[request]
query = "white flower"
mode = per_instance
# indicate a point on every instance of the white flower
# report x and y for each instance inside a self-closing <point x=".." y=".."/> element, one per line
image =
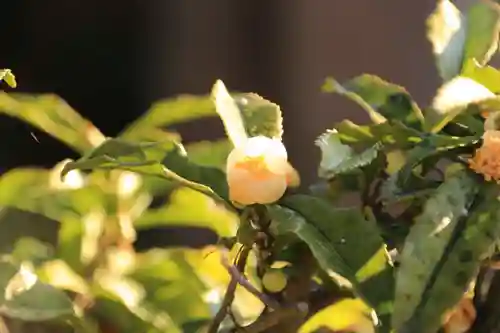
<point x="258" y="171"/>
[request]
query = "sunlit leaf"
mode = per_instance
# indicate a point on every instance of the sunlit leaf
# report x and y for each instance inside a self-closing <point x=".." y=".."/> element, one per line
<point x="53" y="115"/>
<point x="58" y="274"/>
<point x="32" y="249"/>
<point x="171" y="284"/>
<point x="382" y="100"/>
<point x="427" y="242"/>
<point x="483" y="28"/>
<point x="389" y="132"/>
<point x="260" y="116"/>
<point x="405" y="181"/>
<point x="446" y="30"/>
<point x="9" y="78"/>
<point x="29" y="299"/>
<point x="209" y="153"/>
<point x="337" y="158"/>
<point x="473" y="240"/>
<point x="486" y="75"/>
<point x="457" y="96"/>
<point x="187" y="207"/>
<point x="229" y="113"/>
<point x="345" y="315"/>
<point x="152" y="126"/>
<point x="332" y="235"/>
<point x="43" y="192"/>
<point x="143" y="158"/>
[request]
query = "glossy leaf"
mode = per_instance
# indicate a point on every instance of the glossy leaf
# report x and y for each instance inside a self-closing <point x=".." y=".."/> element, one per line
<point x="260" y="116"/>
<point x="152" y="126"/>
<point x="345" y="315"/>
<point x="187" y="207"/>
<point x="382" y="100"/>
<point x="389" y="132"/>
<point x="446" y="30"/>
<point x="473" y="241"/>
<point x="209" y="153"/>
<point x="142" y="158"/>
<point x="230" y="114"/>
<point x="29" y="299"/>
<point x="171" y="284"/>
<point x="179" y="162"/>
<point x="483" y="29"/>
<point x="337" y="158"/>
<point x="486" y="75"/>
<point x="427" y="242"/>
<point x="53" y="115"/>
<point x="44" y="192"/>
<point x="9" y="78"/>
<point x="458" y="96"/>
<point x="332" y="235"/>
<point x="115" y="316"/>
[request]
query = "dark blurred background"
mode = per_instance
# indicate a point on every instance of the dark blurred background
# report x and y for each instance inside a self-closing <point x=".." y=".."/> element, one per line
<point x="110" y="59"/>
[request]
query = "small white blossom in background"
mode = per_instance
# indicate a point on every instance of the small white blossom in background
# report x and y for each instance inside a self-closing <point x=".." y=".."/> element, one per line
<point x="23" y="281"/>
<point x="128" y="183"/>
<point x="74" y="179"/>
<point x="258" y="171"/>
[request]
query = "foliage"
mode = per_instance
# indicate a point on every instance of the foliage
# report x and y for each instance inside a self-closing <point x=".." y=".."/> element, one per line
<point x="419" y="239"/>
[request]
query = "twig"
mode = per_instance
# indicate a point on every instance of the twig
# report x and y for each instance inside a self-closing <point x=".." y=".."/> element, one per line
<point x="230" y="291"/>
<point x="242" y="281"/>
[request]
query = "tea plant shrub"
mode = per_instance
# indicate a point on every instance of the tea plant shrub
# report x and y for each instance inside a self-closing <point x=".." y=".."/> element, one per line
<point x="416" y="254"/>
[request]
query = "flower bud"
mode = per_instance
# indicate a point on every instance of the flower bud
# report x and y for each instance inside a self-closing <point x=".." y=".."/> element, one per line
<point x="461" y="317"/>
<point x="486" y="160"/>
<point x="258" y="172"/>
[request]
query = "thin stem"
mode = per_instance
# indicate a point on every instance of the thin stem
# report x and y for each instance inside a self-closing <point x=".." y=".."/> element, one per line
<point x="230" y="292"/>
<point x="242" y="281"/>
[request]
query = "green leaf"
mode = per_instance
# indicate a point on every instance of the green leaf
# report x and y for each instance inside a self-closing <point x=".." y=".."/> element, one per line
<point x="32" y="250"/>
<point x="16" y="223"/>
<point x="187" y="207"/>
<point x="178" y="161"/>
<point x="8" y="269"/>
<point x="152" y="125"/>
<point x="446" y="30"/>
<point x="172" y="284"/>
<point x="472" y="241"/>
<point x="143" y="158"/>
<point x="382" y="100"/>
<point x="9" y="78"/>
<point x="333" y="236"/>
<point x="427" y="242"/>
<point x="53" y="116"/>
<point x="44" y="192"/>
<point x="486" y="75"/>
<point x="209" y="153"/>
<point x="389" y="132"/>
<point x="337" y="158"/>
<point x="260" y="116"/>
<point x="483" y="28"/>
<point x="404" y="184"/>
<point x="36" y="301"/>
<point x="230" y="114"/>
<point x="460" y="95"/>
<point x="343" y="315"/>
<point x="118" y="317"/>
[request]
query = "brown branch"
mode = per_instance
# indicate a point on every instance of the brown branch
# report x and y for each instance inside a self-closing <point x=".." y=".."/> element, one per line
<point x="230" y="292"/>
<point x="242" y="281"/>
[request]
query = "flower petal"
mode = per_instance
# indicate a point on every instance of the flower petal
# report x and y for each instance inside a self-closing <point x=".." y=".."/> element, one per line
<point x="247" y="189"/>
